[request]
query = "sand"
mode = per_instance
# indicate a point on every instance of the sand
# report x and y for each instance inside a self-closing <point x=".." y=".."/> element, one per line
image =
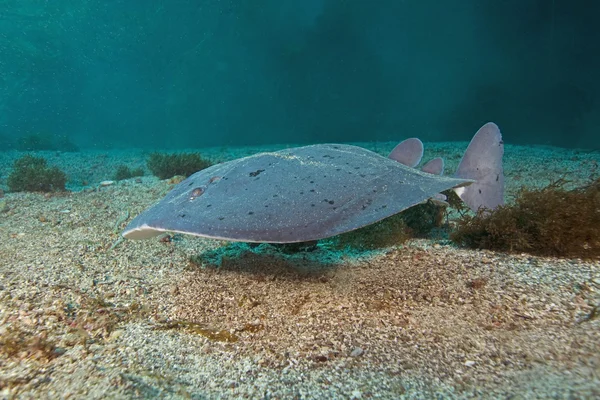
<point x="81" y="317"/>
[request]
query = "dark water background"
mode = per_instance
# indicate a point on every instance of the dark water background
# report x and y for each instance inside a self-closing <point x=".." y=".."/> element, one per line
<point x="183" y="73"/>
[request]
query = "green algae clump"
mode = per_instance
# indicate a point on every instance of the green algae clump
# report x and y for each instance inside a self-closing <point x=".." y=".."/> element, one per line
<point x="415" y="222"/>
<point x="166" y="166"/>
<point x="389" y="232"/>
<point x="32" y="174"/>
<point x="124" y="172"/>
<point x="552" y="221"/>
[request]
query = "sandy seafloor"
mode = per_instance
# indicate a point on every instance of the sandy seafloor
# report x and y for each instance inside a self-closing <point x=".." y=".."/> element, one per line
<point x="80" y="319"/>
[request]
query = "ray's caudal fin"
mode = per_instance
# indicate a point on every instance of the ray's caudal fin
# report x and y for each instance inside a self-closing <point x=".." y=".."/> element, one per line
<point x="482" y="162"/>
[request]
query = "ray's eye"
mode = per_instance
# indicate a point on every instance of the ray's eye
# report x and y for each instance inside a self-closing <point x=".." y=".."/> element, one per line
<point x="199" y="191"/>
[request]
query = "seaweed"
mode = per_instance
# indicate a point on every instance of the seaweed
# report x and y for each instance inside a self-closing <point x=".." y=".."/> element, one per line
<point x="94" y="318"/>
<point x="166" y="166"/>
<point x="32" y="174"/>
<point x="421" y="219"/>
<point x="391" y="231"/>
<point x="16" y="342"/>
<point x="417" y="221"/>
<point x="124" y="172"/>
<point x="551" y="221"/>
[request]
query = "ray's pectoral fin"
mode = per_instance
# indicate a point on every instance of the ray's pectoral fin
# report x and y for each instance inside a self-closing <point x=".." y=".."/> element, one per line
<point x="482" y="162"/>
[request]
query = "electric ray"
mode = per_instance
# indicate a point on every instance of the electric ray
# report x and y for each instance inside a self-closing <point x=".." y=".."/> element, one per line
<point x="314" y="192"/>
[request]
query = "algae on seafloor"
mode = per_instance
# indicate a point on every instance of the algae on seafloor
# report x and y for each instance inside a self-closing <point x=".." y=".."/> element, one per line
<point x="552" y="221"/>
<point x="4" y="206"/>
<point x="18" y="342"/>
<point x="166" y="166"/>
<point x="32" y="174"/>
<point x="222" y="335"/>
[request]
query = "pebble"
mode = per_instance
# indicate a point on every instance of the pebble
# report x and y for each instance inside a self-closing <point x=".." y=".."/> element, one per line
<point x="357" y="352"/>
<point x="469" y="363"/>
<point x="116" y="334"/>
<point x="59" y="351"/>
<point x="95" y="347"/>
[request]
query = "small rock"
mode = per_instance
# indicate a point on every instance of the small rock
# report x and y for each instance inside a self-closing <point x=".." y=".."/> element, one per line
<point x="469" y="363"/>
<point x="321" y="358"/>
<point x="71" y="339"/>
<point x="59" y="351"/>
<point x="95" y="347"/>
<point x="116" y="334"/>
<point x="357" y="352"/>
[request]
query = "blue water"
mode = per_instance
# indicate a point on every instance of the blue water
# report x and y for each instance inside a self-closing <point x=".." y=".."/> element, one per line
<point x="119" y="79"/>
<point x="180" y="74"/>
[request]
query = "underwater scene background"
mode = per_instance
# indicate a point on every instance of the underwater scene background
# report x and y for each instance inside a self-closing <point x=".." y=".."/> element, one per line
<point x="107" y="106"/>
<point x="128" y="73"/>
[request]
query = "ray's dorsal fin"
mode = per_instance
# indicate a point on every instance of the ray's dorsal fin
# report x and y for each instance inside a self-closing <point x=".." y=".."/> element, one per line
<point x="408" y="152"/>
<point x="435" y="166"/>
<point x="482" y="162"/>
